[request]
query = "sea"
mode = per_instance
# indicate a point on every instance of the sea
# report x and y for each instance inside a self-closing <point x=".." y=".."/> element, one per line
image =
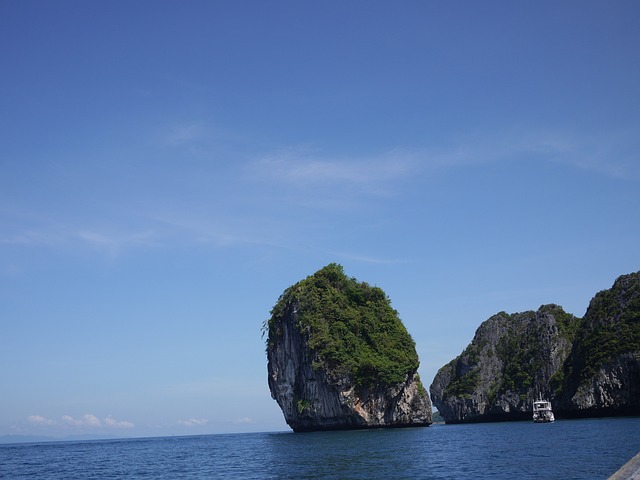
<point x="566" y="449"/>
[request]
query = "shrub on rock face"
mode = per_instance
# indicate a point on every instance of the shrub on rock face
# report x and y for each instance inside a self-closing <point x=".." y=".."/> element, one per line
<point x="335" y="345"/>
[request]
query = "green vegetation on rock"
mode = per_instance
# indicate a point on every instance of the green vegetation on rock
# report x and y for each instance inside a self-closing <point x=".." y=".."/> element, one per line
<point x="521" y="350"/>
<point x="509" y="356"/>
<point x="612" y="325"/>
<point x="350" y="327"/>
<point x="567" y="323"/>
<point x="585" y="366"/>
<point x="464" y="385"/>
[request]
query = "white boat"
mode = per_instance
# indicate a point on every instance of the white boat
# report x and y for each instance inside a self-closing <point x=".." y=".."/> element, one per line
<point x="542" y="411"/>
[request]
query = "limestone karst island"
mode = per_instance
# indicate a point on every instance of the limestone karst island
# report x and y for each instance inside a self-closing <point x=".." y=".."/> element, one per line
<point x="586" y="367"/>
<point x="340" y="358"/>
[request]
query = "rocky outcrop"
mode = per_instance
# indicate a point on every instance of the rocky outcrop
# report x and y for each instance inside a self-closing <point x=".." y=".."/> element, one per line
<point x="510" y="362"/>
<point x="323" y="381"/>
<point x="586" y="367"/>
<point x="602" y="374"/>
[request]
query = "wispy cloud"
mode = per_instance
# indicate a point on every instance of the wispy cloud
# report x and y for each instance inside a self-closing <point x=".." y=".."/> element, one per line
<point x="37" y="229"/>
<point x="105" y="242"/>
<point x="193" y="422"/>
<point x="29" y="237"/>
<point x="187" y="133"/>
<point x="114" y="243"/>
<point x="24" y="227"/>
<point x="302" y="169"/>
<point x="614" y="154"/>
<point x="200" y="228"/>
<point x="270" y="188"/>
<point x="333" y="179"/>
<point x="243" y="421"/>
<point x="109" y="421"/>
<point x="163" y="228"/>
<point x="40" y="421"/>
<point x="201" y="138"/>
<point x="88" y="420"/>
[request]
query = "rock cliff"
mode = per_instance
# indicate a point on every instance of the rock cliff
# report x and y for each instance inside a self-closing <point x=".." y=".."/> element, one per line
<point x="340" y="358"/>
<point x="586" y="367"/>
<point x="602" y="374"/>
<point x="509" y="362"/>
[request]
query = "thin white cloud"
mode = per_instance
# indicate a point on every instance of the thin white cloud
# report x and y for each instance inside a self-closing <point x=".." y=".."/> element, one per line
<point x="613" y="154"/>
<point x="243" y="421"/>
<point x="109" y="421"/>
<point x="301" y="169"/>
<point x="114" y="243"/>
<point x="216" y="230"/>
<point x="88" y="420"/>
<point x="185" y="133"/>
<point x="294" y="178"/>
<point x="28" y="238"/>
<point x="199" y="229"/>
<point x="109" y="243"/>
<point x="336" y="179"/>
<point x="193" y="422"/>
<point x="39" y="420"/>
<point x="35" y="229"/>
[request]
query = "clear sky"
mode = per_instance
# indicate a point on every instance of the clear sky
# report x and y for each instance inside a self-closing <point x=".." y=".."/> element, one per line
<point x="168" y="168"/>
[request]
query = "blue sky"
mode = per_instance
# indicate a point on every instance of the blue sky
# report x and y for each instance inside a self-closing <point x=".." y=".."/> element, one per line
<point x="167" y="169"/>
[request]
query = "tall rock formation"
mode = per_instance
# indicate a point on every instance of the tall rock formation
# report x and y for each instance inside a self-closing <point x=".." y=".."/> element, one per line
<point x="602" y="374"/>
<point x="510" y="362"/>
<point x="340" y="358"/>
<point x="586" y="367"/>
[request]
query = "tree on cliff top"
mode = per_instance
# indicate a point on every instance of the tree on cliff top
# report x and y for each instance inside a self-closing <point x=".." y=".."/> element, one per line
<point x="350" y="327"/>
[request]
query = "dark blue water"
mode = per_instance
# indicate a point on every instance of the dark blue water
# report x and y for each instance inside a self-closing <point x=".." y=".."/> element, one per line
<point x="579" y="449"/>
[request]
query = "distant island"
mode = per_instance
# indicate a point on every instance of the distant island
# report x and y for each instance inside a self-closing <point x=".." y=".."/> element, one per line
<point x="339" y="357"/>
<point x="9" y="439"/>
<point x="587" y="366"/>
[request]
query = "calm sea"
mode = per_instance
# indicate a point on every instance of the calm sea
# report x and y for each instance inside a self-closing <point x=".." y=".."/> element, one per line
<point x="580" y="449"/>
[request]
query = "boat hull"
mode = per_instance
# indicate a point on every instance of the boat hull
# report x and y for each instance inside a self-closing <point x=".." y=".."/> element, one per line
<point x="542" y="412"/>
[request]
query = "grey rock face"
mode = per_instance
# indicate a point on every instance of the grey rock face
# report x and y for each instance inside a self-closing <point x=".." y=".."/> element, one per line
<point x="314" y="399"/>
<point x="602" y="374"/>
<point x="510" y="362"/>
<point x="586" y="367"/>
<point x="615" y="387"/>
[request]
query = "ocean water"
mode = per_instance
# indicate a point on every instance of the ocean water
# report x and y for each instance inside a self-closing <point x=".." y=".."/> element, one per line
<point x="566" y="449"/>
